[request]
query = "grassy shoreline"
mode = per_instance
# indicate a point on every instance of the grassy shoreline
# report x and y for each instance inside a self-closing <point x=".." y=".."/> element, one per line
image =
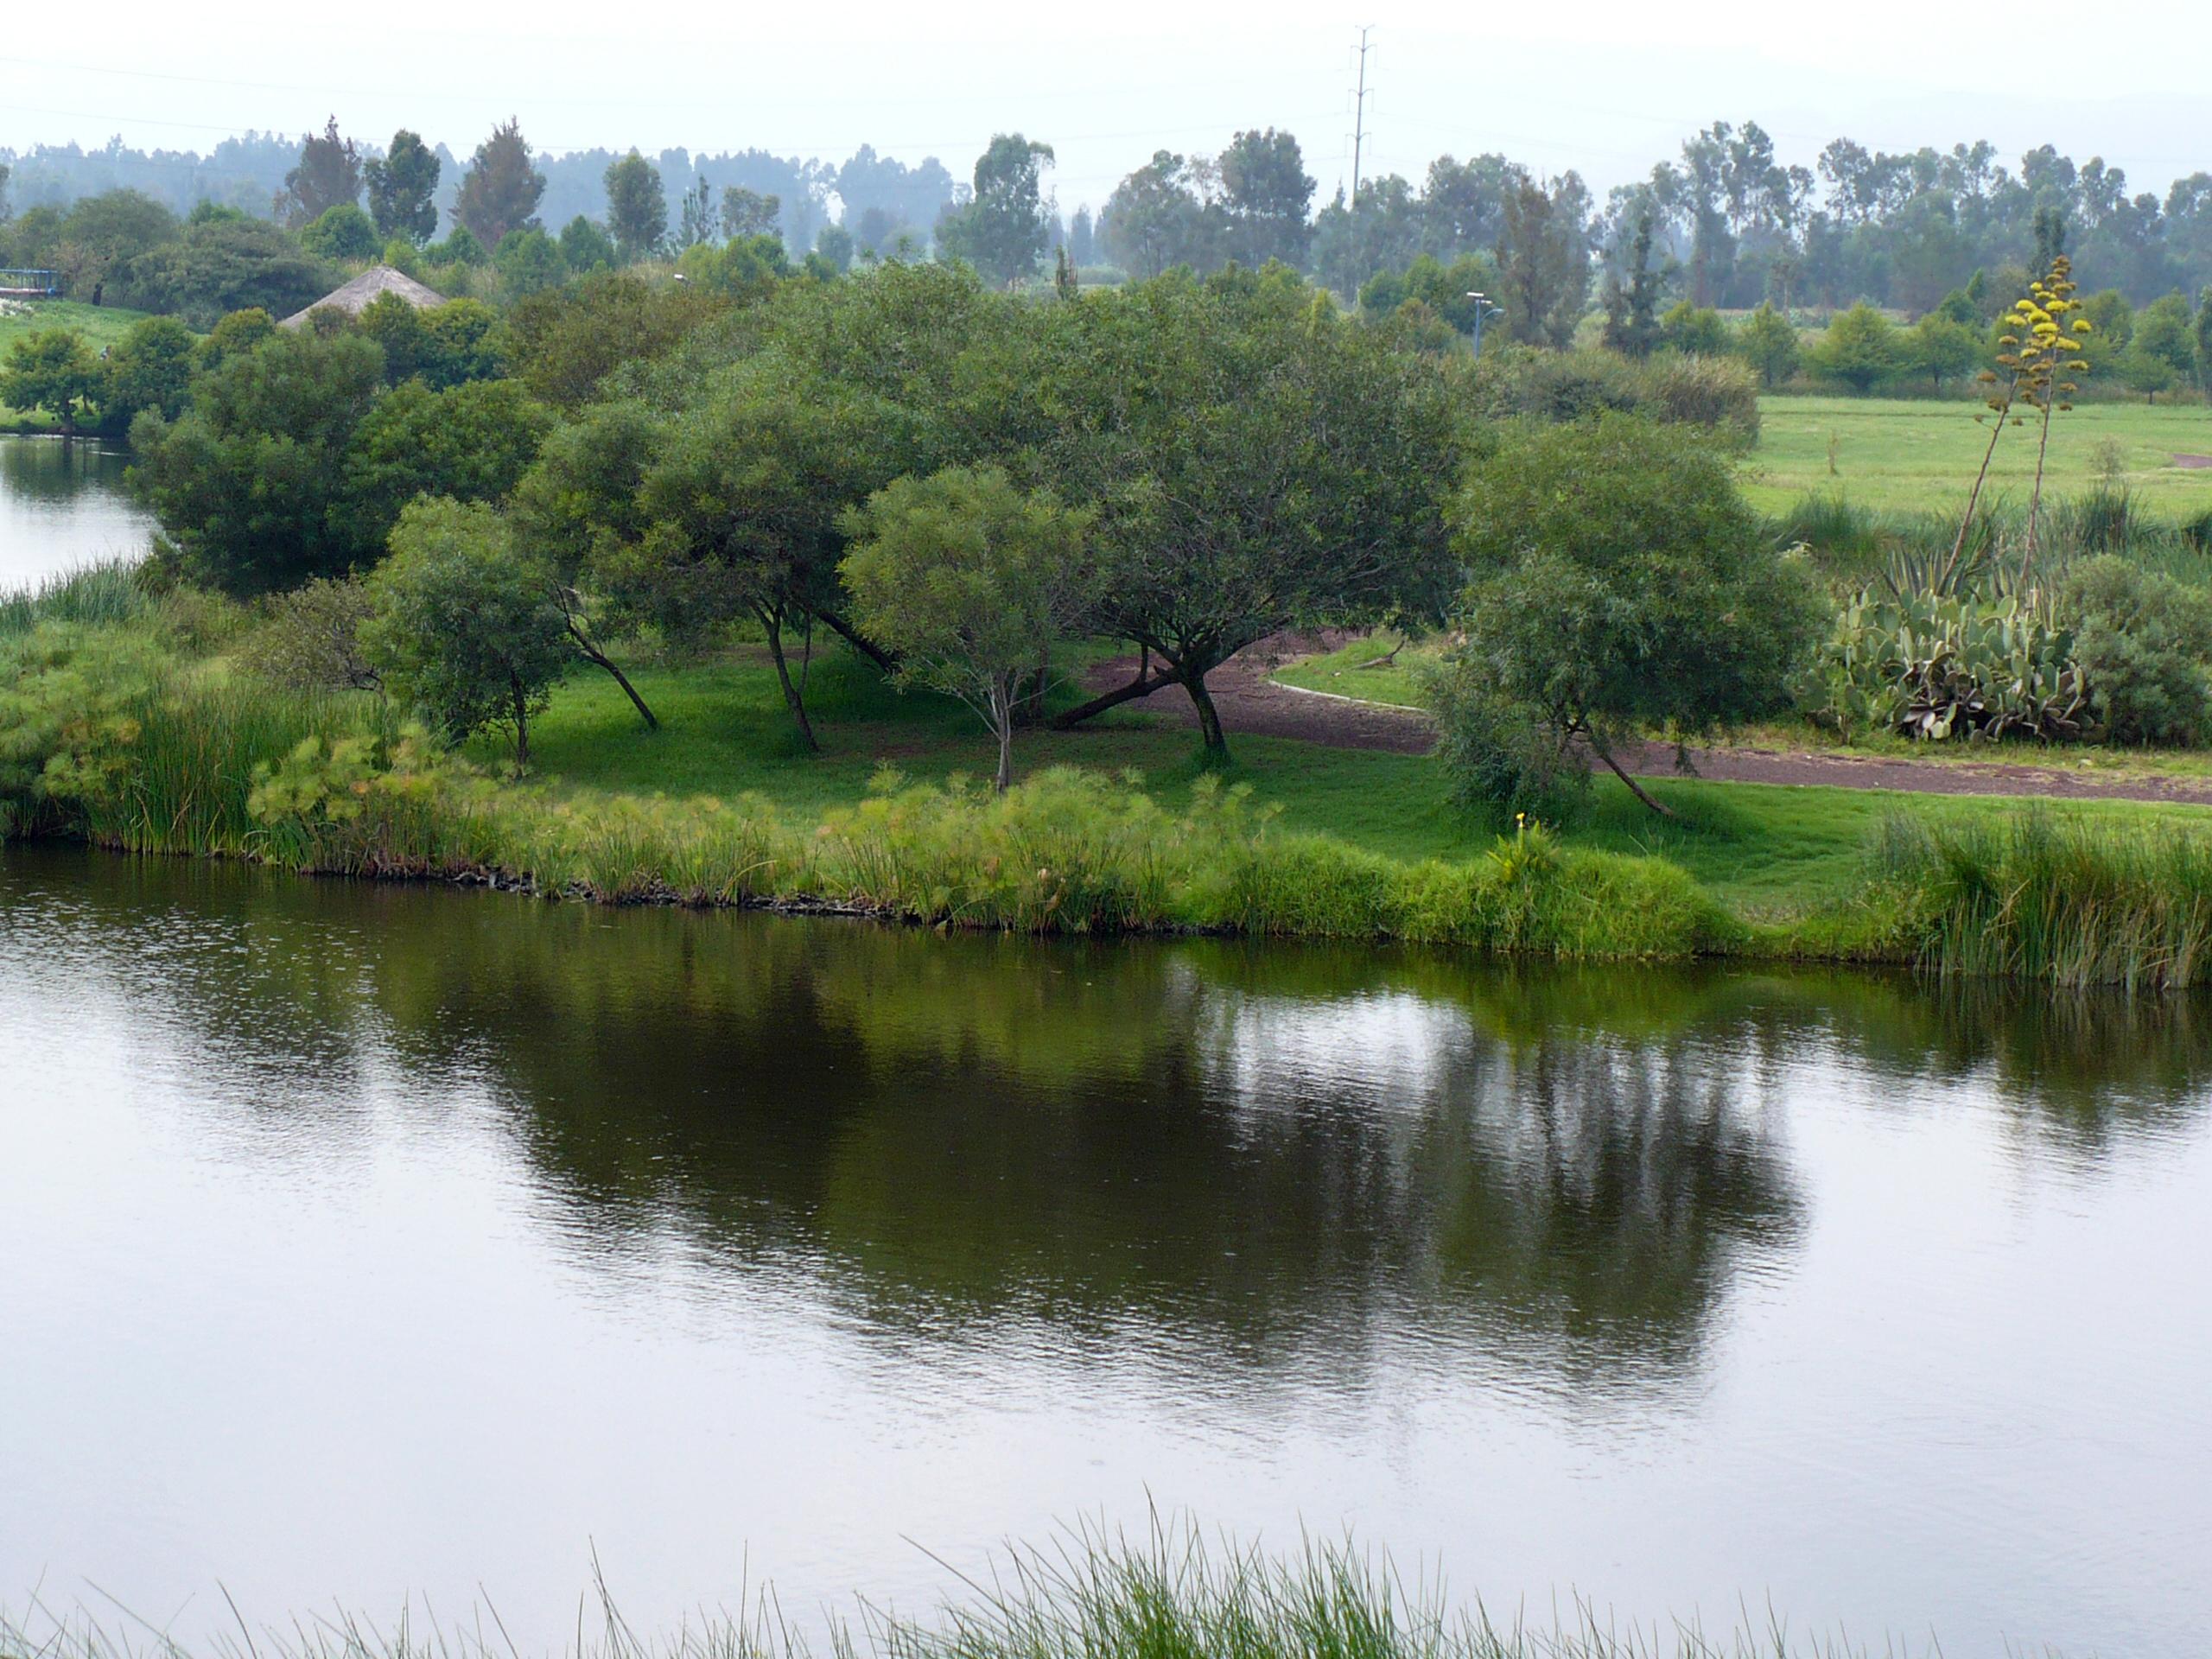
<point x="129" y="729"/>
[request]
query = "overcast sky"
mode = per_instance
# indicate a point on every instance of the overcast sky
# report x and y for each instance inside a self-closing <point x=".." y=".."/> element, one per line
<point x="1606" y="87"/>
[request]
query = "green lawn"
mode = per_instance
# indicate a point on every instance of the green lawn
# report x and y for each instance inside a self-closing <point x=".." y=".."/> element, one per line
<point x="1898" y="454"/>
<point x="1342" y="671"/>
<point x="1769" y="852"/>
<point x="101" y="325"/>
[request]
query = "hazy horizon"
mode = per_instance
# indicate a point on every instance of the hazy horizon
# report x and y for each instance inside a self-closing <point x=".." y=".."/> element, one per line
<point x="1443" y="81"/>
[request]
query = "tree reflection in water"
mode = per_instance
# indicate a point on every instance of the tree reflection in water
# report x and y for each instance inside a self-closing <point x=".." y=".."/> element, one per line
<point x="1262" y="1156"/>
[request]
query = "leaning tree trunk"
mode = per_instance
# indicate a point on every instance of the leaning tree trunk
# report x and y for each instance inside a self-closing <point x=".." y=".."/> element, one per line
<point x="1210" y="730"/>
<point x="1144" y="686"/>
<point x="1001" y="707"/>
<point x="599" y="659"/>
<point x="772" y="620"/>
<point x="1598" y="747"/>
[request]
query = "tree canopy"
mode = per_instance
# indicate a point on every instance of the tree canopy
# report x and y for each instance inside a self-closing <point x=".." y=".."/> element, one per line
<point x="500" y="191"/>
<point x="968" y="580"/>
<point x="403" y="186"/>
<point x="1620" y="584"/>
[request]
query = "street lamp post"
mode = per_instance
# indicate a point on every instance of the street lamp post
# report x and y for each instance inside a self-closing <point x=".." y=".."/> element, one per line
<point x="1484" y="312"/>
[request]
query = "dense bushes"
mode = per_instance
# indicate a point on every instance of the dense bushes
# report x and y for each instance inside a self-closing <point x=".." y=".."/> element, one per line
<point x="2142" y="640"/>
<point x="2110" y="651"/>
<point x="1709" y="391"/>
<point x="1938" y="666"/>
<point x="1620" y="586"/>
<point x="294" y="461"/>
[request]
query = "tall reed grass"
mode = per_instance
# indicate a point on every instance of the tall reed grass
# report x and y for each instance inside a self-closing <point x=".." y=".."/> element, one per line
<point x="102" y="594"/>
<point x="1169" y="1594"/>
<point x="326" y="783"/>
<point x="2038" y="896"/>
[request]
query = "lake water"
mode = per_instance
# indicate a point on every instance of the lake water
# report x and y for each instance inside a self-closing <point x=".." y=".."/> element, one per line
<point x="63" y="505"/>
<point x="362" y="1243"/>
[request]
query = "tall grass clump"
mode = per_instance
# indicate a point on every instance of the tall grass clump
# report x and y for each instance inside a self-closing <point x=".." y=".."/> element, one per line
<point x="104" y="594"/>
<point x="1066" y="852"/>
<point x="175" y="771"/>
<point x="1095" y="1594"/>
<point x="2037" y="896"/>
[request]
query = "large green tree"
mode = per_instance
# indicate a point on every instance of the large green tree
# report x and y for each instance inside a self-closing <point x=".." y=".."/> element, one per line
<point x="500" y="191"/>
<point x="329" y="174"/>
<point x="403" y="186"/>
<point x="1267" y="196"/>
<point x="465" y="625"/>
<point x="470" y="442"/>
<point x="103" y="234"/>
<point x="743" y="510"/>
<point x="1003" y="230"/>
<point x="969" y="578"/>
<point x="1768" y="341"/>
<point x="1154" y="219"/>
<point x="1942" y="349"/>
<point x="1544" y="260"/>
<point x="341" y="232"/>
<point x="1260" y="462"/>
<point x="1621" y="586"/>
<point x="749" y="212"/>
<point x="249" y="485"/>
<point x="637" y="207"/>
<point x="150" y="367"/>
<point x="1859" y="350"/>
<point x="53" y="370"/>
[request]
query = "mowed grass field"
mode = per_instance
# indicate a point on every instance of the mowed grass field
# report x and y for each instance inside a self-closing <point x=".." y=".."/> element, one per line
<point x="101" y="325"/>
<point x="1902" y="455"/>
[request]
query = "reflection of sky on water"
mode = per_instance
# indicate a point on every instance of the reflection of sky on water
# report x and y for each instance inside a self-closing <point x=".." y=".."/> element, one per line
<point x="64" y="505"/>
<point x="385" y="1241"/>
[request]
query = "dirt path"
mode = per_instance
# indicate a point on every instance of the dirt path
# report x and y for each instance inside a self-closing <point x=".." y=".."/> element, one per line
<point x="1251" y="704"/>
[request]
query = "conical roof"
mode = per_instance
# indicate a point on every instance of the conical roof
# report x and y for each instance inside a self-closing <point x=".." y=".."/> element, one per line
<point x="354" y="297"/>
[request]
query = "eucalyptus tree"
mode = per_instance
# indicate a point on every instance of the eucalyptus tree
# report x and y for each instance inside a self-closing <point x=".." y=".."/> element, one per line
<point x="1004" y="227"/>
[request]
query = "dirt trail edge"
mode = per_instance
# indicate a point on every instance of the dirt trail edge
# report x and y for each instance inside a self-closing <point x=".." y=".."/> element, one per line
<point x="1251" y="704"/>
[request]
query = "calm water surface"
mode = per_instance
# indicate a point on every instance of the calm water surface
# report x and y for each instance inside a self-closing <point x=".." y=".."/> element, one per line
<point x="357" y="1244"/>
<point x="63" y="505"/>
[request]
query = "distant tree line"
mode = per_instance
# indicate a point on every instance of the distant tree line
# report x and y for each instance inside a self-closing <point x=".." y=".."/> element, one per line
<point x="1723" y="224"/>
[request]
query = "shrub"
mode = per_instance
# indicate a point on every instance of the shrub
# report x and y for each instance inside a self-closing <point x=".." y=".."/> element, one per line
<point x="310" y="640"/>
<point x="1859" y="351"/>
<point x="343" y="232"/>
<point x="1621" y="585"/>
<point x="2142" y="641"/>
<point x="1709" y="391"/>
<point x="1560" y="386"/>
<point x="1502" y="760"/>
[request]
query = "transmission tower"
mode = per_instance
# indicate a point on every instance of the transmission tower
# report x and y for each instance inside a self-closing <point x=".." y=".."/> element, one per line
<point x="1359" y="112"/>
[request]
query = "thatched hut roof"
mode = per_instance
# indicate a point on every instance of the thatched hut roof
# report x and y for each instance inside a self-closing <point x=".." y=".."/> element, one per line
<point x="376" y="281"/>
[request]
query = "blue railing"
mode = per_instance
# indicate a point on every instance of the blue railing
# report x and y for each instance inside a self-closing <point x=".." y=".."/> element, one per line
<point x="18" y="284"/>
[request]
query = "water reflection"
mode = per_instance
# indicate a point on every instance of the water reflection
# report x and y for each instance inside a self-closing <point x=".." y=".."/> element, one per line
<point x="1272" y="1154"/>
<point x="63" y="505"/>
<point x="682" y="1236"/>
